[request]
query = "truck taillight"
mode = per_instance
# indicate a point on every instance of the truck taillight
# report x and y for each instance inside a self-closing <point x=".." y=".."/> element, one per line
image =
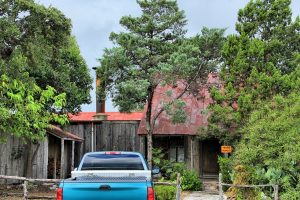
<point x="59" y="194"/>
<point x="112" y="152"/>
<point x="150" y="193"/>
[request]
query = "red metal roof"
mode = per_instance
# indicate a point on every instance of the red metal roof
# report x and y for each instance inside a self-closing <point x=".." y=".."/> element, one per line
<point x="111" y="116"/>
<point x="196" y="110"/>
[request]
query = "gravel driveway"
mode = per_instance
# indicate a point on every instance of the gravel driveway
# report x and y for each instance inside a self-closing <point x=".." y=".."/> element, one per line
<point x="201" y="196"/>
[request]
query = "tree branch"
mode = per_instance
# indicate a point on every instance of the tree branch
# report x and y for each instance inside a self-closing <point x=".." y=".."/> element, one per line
<point x="178" y="97"/>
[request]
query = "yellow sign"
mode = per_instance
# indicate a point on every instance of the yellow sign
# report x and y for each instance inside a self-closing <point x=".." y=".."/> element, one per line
<point x="226" y="149"/>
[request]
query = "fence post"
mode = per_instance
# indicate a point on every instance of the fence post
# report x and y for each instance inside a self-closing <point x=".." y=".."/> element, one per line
<point x="220" y="187"/>
<point x="276" y="192"/>
<point x="25" y="192"/>
<point x="178" y="187"/>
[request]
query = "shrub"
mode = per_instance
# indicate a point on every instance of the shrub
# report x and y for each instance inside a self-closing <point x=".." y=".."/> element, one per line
<point x="242" y="176"/>
<point x="175" y="168"/>
<point x="158" y="157"/>
<point x="190" y="181"/>
<point x="270" y="145"/>
<point x="169" y="170"/>
<point x="165" y="192"/>
<point x="291" y="195"/>
<point x="225" y="165"/>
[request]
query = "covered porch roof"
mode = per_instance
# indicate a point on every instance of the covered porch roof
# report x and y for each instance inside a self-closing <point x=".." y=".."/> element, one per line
<point x="59" y="133"/>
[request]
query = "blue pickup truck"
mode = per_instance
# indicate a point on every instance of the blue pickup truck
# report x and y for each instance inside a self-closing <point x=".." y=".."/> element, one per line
<point x="109" y="176"/>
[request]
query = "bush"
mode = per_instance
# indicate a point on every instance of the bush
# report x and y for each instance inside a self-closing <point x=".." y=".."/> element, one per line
<point x="270" y="145"/>
<point x="291" y="195"/>
<point x="169" y="170"/>
<point x="190" y="181"/>
<point x="165" y="192"/>
<point x="173" y="169"/>
<point x="225" y="165"/>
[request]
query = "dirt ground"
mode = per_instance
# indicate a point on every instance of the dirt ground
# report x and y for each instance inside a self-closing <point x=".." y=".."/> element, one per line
<point x="184" y="194"/>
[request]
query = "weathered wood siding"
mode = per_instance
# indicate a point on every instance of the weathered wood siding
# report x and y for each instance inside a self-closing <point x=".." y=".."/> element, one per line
<point x="40" y="163"/>
<point x="192" y="152"/>
<point x="108" y="136"/>
<point x="83" y="130"/>
<point x="118" y="136"/>
<point x="12" y="158"/>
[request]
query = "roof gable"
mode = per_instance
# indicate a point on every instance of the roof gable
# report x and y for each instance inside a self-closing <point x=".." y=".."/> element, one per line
<point x="196" y="110"/>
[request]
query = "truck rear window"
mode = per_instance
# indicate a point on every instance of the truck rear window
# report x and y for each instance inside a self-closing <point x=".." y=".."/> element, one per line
<point x="112" y="162"/>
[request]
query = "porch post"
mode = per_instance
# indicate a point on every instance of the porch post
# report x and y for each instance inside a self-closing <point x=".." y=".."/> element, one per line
<point x="220" y="187"/>
<point x="54" y="162"/>
<point x="62" y="155"/>
<point x="72" y="161"/>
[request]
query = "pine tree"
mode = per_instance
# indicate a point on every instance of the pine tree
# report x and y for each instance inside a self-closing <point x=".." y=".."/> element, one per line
<point x="257" y="62"/>
<point x="154" y="52"/>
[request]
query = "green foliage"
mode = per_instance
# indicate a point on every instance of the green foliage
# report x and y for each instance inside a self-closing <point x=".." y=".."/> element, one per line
<point x="190" y="181"/>
<point x="257" y="64"/>
<point x="37" y="40"/>
<point x="24" y="109"/>
<point x="189" y="178"/>
<point x="154" y="52"/>
<point x="130" y="71"/>
<point x="292" y="194"/>
<point x="226" y="165"/>
<point x="159" y="158"/>
<point x="270" y="145"/>
<point x="241" y="176"/>
<point x="176" y="111"/>
<point x="171" y="169"/>
<point x="165" y="192"/>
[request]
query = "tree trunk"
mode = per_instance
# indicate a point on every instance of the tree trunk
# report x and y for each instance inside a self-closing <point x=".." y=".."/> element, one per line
<point x="149" y="128"/>
<point x="149" y="149"/>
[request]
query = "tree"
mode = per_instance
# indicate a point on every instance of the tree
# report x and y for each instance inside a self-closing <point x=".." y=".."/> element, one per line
<point x="42" y="72"/>
<point x="25" y="114"/>
<point x="270" y="145"/>
<point x="42" y="36"/>
<point x="257" y="62"/>
<point x="24" y="109"/>
<point x="154" y="52"/>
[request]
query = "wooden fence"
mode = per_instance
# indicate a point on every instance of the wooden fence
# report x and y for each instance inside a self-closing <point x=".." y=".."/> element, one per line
<point x="25" y="186"/>
<point x="221" y="184"/>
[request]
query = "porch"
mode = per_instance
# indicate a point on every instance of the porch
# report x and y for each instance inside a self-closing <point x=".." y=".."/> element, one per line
<point x="199" y="155"/>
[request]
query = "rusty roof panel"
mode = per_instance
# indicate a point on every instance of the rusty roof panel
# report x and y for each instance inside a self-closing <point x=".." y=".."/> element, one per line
<point x="196" y="110"/>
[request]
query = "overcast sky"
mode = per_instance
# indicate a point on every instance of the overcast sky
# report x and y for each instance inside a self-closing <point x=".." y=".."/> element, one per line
<point x="94" y="20"/>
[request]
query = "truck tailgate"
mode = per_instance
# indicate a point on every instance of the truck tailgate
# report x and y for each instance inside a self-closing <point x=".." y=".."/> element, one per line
<point x="126" y="188"/>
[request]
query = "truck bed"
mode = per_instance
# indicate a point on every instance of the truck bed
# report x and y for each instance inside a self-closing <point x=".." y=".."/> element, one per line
<point x="108" y="188"/>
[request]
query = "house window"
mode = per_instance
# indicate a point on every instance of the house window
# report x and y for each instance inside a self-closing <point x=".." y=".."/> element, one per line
<point x="176" y="154"/>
